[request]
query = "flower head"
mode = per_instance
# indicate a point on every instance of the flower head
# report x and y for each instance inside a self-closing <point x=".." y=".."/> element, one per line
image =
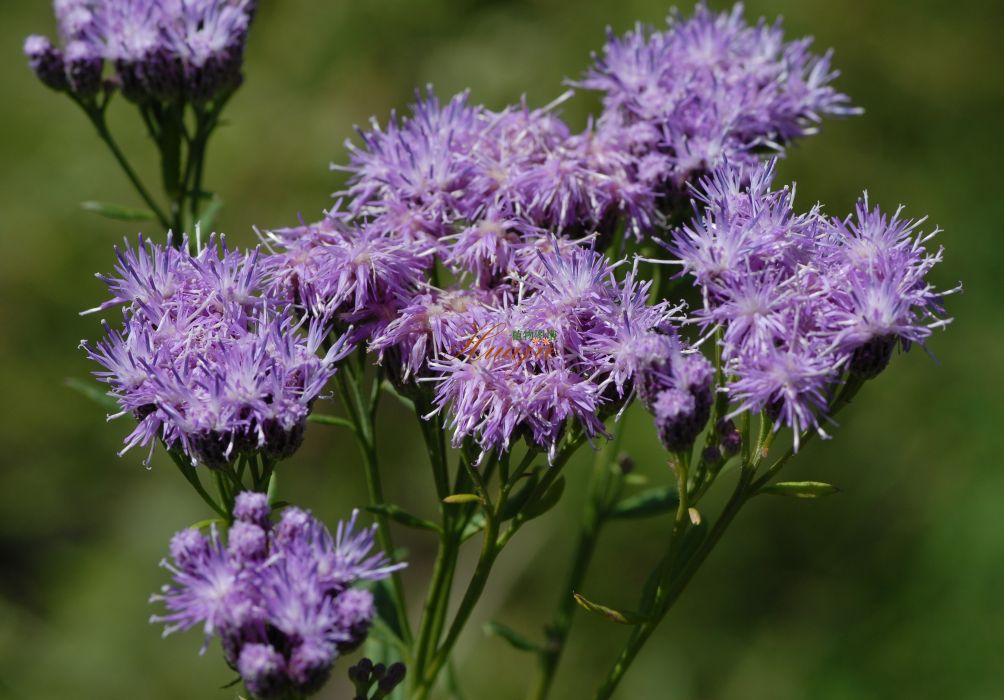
<point x="285" y="613"/>
<point x="205" y="361"/>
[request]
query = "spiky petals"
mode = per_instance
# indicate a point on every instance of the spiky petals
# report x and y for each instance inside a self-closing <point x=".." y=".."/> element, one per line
<point x="205" y="361"/>
<point x="283" y="609"/>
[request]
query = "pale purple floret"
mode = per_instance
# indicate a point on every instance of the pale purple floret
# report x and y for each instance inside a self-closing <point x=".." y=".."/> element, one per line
<point x="205" y="361"/>
<point x="803" y="302"/>
<point x="711" y="88"/>
<point x="495" y="387"/>
<point x="355" y="275"/>
<point x="283" y="599"/>
<point x="161" y="51"/>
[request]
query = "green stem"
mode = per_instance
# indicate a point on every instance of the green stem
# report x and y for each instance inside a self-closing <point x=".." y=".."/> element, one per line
<point x="97" y="118"/>
<point x="593" y="519"/>
<point x="676" y="585"/>
<point x="360" y="416"/>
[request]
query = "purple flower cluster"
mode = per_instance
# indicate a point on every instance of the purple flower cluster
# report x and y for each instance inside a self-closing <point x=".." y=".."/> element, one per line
<point x="472" y="182"/>
<point x="710" y="88"/>
<point x="205" y="361"/>
<point x="161" y="50"/>
<point x="281" y="597"/>
<point x="803" y="301"/>
<point x="564" y="350"/>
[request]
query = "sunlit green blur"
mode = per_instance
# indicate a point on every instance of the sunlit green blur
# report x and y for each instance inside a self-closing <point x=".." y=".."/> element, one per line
<point x="891" y="589"/>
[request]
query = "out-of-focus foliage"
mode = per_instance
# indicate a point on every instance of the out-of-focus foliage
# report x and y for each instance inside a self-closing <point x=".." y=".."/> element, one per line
<point x="890" y="589"/>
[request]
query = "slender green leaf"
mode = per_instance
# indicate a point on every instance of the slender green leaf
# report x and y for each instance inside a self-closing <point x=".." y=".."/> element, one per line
<point x="515" y="639"/>
<point x="514" y="504"/>
<point x="385" y="611"/>
<point x="459" y="498"/>
<point x="118" y="213"/>
<point x="623" y="617"/>
<point x="208" y="215"/>
<point x="473" y="527"/>
<point x="550" y="498"/>
<point x="202" y="524"/>
<point x="800" y="489"/>
<point x="324" y="419"/>
<point x="94" y="393"/>
<point x="652" y="501"/>
<point x="402" y="516"/>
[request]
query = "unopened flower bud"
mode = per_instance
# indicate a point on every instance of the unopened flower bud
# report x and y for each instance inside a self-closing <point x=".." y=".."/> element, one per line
<point x="46" y="61"/>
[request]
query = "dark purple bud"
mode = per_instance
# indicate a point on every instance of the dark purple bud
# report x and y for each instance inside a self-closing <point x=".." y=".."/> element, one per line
<point x="711" y="455"/>
<point x="46" y="61"/>
<point x="870" y="359"/>
<point x="83" y="69"/>
<point x="310" y="665"/>
<point x="281" y="443"/>
<point x="263" y="670"/>
<point x="355" y="610"/>
<point x="395" y="674"/>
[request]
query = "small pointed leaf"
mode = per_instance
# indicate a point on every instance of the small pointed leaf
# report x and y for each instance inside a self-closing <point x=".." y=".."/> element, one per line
<point x="623" y="617"/>
<point x="94" y="393"/>
<point x="402" y="516"/>
<point x="459" y="498"/>
<point x="539" y="506"/>
<point x="653" y="501"/>
<point x="114" y="211"/>
<point x="475" y="525"/>
<point x="515" y="639"/>
<point x="514" y="504"/>
<point x="800" y="489"/>
<point x="324" y="419"/>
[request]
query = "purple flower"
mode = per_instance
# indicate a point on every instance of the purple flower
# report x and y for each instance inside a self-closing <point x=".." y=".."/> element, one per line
<point x="206" y="362"/>
<point x="281" y="599"/>
<point x="562" y="350"/>
<point x="802" y="302"/>
<point x="359" y="276"/>
<point x="46" y="62"/>
<point x="161" y="50"/>
<point x="708" y="89"/>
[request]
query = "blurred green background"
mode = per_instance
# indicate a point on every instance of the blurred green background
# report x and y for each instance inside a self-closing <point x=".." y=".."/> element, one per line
<point x="892" y="589"/>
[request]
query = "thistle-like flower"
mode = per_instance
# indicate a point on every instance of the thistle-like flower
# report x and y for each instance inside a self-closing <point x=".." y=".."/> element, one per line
<point x="711" y="88"/>
<point x="161" y="51"/>
<point x="205" y="361"/>
<point x="283" y="599"/>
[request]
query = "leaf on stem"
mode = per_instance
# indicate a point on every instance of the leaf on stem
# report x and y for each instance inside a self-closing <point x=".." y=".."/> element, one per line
<point x="515" y="639"/>
<point x="324" y="419"/>
<point x="800" y="489"/>
<point x="514" y="504"/>
<point x="118" y="213"/>
<point x="548" y="500"/>
<point x="94" y="393"/>
<point x="459" y="498"/>
<point x="208" y="215"/>
<point x="473" y="527"/>
<point x="623" y="617"/>
<point x="644" y="504"/>
<point x="402" y="516"/>
<point x="385" y="610"/>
